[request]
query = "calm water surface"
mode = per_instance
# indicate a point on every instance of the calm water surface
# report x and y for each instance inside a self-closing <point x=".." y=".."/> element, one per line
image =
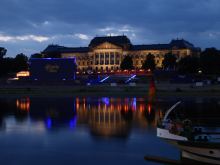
<point x="85" y="130"/>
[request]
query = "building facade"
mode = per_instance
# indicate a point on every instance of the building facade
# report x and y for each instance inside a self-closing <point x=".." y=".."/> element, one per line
<point x="107" y="53"/>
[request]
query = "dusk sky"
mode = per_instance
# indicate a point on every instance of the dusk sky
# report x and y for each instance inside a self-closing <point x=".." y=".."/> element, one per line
<point x="28" y="26"/>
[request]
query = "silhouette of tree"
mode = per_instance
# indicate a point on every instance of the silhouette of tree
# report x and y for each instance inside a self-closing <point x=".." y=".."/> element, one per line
<point x="210" y="61"/>
<point x="149" y="62"/>
<point x="6" y="66"/>
<point x="21" y="62"/>
<point x="2" y="52"/>
<point x="169" y="61"/>
<point x="127" y="63"/>
<point x="188" y="64"/>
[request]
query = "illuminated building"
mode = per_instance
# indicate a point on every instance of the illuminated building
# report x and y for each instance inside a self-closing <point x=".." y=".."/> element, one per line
<point x="107" y="53"/>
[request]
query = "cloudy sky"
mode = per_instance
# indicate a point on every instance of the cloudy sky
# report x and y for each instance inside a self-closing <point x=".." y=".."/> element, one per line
<point x="28" y="26"/>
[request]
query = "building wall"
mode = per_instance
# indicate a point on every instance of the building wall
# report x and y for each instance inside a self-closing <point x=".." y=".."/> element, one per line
<point x="107" y="57"/>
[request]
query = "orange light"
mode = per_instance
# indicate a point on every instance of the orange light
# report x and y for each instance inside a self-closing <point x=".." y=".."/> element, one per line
<point x="23" y="104"/>
<point x="149" y="108"/>
<point x="23" y="74"/>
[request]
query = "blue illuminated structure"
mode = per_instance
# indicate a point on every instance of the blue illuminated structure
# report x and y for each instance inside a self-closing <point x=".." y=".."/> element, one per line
<point x="131" y="78"/>
<point x="104" y="79"/>
<point x="58" y="69"/>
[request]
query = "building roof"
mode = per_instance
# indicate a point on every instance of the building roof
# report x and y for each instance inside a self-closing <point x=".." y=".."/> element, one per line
<point x="181" y="44"/>
<point x="62" y="49"/>
<point x="117" y="40"/>
<point x="151" y="47"/>
<point x="121" y="41"/>
<point x="75" y="50"/>
<point x="52" y="48"/>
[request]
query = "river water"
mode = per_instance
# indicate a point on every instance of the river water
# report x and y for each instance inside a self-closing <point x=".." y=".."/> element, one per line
<point x="88" y="130"/>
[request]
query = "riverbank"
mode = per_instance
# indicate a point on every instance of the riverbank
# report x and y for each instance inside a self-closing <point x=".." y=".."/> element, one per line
<point x="142" y="90"/>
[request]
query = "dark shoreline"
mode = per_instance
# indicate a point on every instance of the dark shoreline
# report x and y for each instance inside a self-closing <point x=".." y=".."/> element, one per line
<point x="107" y="90"/>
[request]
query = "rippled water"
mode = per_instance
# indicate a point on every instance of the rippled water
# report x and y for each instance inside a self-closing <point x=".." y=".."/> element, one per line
<point x="86" y="130"/>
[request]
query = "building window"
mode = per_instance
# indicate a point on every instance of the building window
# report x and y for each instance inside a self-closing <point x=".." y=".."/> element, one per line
<point x="117" y="55"/>
<point x="106" y="55"/>
<point x="96" y="56"/>
<point x="97" y="62"/>
<point x="117" y="62"/>
<point x="112" y="55"/>
<point x="101" y="62"/>
<point x="101" y="55"/>
<point x="91" y="62"/>
<point x="112" y="68"/>
<point x="112" y="62"/>
<point x="106" y="62"/>
<point x="106" y="68"/>
<point x="83" y="63"/>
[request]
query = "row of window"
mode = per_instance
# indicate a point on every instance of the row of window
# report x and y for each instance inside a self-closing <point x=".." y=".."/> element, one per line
<point x="112" y="62"/>
<point x="107" y="55"/>
<point x="101" y="68"/>
<point x="102" y="62"/>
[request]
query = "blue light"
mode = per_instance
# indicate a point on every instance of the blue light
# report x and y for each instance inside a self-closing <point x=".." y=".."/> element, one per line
<point x="104" y="79"/>
<point x="73" y="122"/>
<point x="49" y="123"/>
<point x="105" y="100"/>
<point x="132" y="77"/>
<point x="134" y="103"/>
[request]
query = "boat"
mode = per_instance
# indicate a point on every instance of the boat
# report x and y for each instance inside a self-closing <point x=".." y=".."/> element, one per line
<point x="197" y="143"/>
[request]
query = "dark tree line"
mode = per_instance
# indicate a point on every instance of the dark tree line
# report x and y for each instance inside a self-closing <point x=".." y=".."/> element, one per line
<point x="12" y="65"/>
<point x="208" y="62"/>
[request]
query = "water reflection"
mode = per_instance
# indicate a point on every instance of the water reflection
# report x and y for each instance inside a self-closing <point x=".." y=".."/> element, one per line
<point x="103" y="116"/>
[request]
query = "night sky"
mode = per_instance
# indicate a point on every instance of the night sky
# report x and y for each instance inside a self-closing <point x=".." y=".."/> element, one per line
<point x="28" y="26"/>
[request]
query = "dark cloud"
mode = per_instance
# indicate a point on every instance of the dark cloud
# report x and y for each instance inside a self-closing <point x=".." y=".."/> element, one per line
<point x="29" y="25"/>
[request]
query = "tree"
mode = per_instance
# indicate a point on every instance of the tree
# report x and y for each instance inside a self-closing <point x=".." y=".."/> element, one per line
<point x="149" y="62"/>
<point x="2" y="52"/>
<point x="210" y="61"/>
<point x="127" y="63"/>
<point x="21" y="62"/>
<point x="169" y="61"/>
<point x="188" y="64"/>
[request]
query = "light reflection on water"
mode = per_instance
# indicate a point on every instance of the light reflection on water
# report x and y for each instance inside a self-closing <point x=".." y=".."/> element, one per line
<point x="104" y="116"/>
<point x="104" y="130"/>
